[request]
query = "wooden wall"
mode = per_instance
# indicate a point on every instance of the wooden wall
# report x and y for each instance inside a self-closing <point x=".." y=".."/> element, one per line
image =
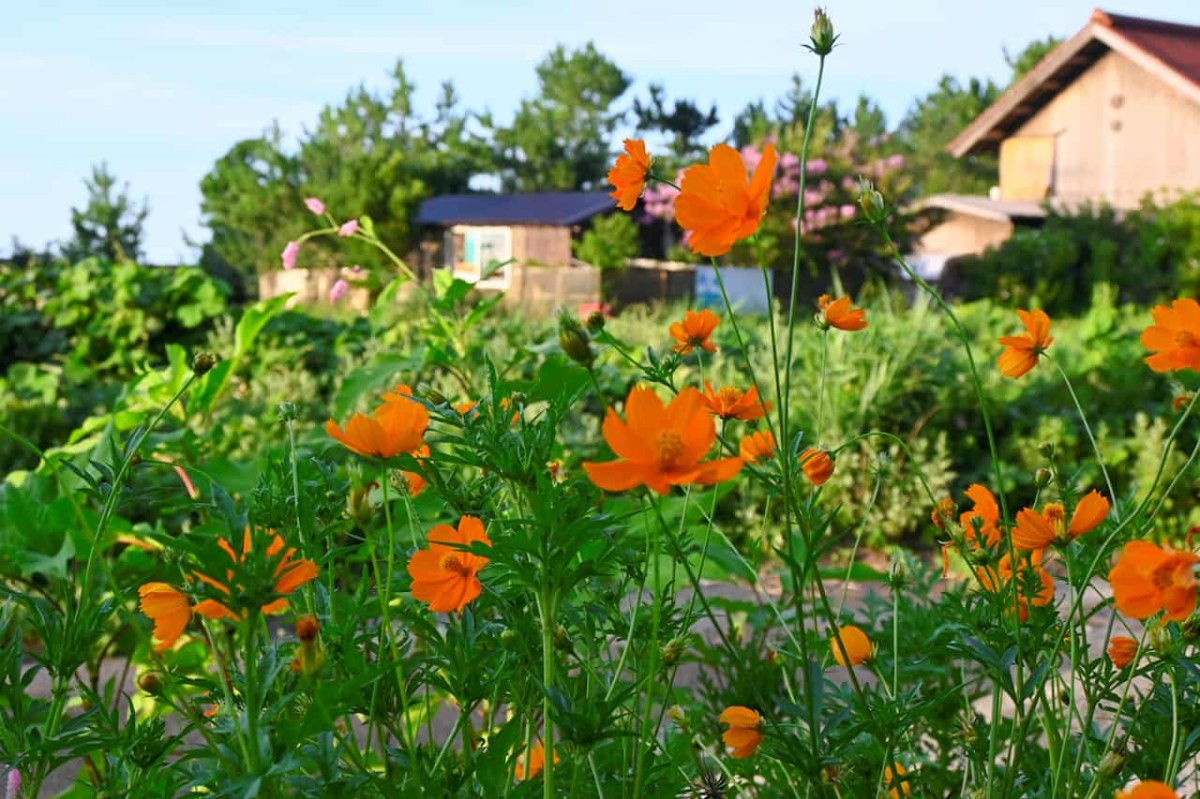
<point x="1121" y="132"/>
<point x="962" y="234"/>
<point x="547" y="245"/>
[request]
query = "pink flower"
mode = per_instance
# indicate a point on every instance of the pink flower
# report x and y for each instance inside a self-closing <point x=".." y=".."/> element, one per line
<point x="894" y="161"/>
<point x="315" y="205"/>
<point x="288" y="256"/>
<point x="348" y="228"/>
<point x="817" y="166"/>
<point x="338" y="290"/>
<point x="12" y="783"/>
<point x="354" y="270"/>
<point x="848" y="211"/>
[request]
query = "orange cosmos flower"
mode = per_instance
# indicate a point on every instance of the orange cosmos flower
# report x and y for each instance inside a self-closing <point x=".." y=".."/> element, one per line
<point x="1121" y="650"/>
<point x="444" y="575"/>
<point x="533" y="760"/>
<point x="1148" y="578"/>
<point x="1174" y="338"/>
<point x="695" y="330"/>
<point x="660" y="446"/>
<point x="238" y="584"/>
<point x="628" y="175"/>
<point x="717" y="203"/>
<point x="169" y="609"/>
<point x="1039" y="530"/>
<point x="730" y="403"/>
<point x="817" y="465"/>
<point x="1021" y="352"/>
<point x="1148" y="790"/>
<point x="840" y="313"/>
<point x="414" y="481"/>
<point x="858" y="646"/>
<point x="896" y="772"/>
<point x="758" y="446"/>
<point x="1034" y="584"/>
<point x="398" y="425"/>
<point x="745" y="730"/>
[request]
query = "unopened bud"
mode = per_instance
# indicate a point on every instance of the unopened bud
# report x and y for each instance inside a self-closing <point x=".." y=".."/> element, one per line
<point x="574" y="340"/>
<point x="1043" y="477"/>
<point x="151" y="682"/>
<point x="676" y="714"/>
<point x="307" y="628"/>
<point x="671" y="652"/>
<point x="1159" y="639"/>
<point x="595" y="321"/>
<point x="287" y="412"/>
<point x="1111" y="763"/>
<point x="872" y="202"/>
<point x="822" y="35"/>
<point x="831" y="773"/>
<point x="1190" y="629"/>
<point x="1182" y="401"/>
<point x="434" y="396"/>
<point x="561" y="639"/>
<point x="508" y="638"/>
<point x="899" y="573"/>
<point x="203" y="362"/>
<point x="1047" y="449"/>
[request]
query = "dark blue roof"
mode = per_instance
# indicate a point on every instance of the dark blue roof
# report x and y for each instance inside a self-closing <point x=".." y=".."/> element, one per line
<point x="545" y="208"/>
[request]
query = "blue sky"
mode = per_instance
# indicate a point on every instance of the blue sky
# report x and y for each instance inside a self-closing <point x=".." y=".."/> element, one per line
<point x="160" y="90"/>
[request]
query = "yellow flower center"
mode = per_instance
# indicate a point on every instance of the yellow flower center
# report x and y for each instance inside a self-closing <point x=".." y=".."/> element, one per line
<point x="728" y="396"/>
<point x="451" y="563"/>
<point x="1055" y="516"/>
<point x="669" y="447"/>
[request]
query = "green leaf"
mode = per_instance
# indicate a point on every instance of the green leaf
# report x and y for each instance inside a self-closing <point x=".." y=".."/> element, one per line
<point x="254" y="319"/>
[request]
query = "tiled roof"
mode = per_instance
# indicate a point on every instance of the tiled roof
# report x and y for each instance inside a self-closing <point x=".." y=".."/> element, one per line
<point x="1168" y="50"/>
<point x="545" y="208"/>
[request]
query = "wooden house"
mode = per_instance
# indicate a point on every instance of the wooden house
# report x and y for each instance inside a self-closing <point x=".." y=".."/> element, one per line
<point x="527" y="229"/>
<point x="1111" y="115"/>
<point x="530" y="233"/>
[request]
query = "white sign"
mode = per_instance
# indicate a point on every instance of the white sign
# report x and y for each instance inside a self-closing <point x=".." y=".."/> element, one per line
<point x="744" y="284"/>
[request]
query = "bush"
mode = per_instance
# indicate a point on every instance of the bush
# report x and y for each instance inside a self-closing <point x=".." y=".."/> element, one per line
<point x="612" y="240"/>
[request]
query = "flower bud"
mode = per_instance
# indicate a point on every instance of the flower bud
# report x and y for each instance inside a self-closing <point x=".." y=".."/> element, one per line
<point x="561" y="639"/>
<point x="151" y="682"/>
<point x="1111" y="763"/>
<point x="872" y="202"/>
<point x="595" y="321"/>
<point x="671" y="652"/>
<point x="677" y="715"/>
<point x="508" y="637"/>
<point x="1190" y="629"/>
<point x="434" y="396"/>
<point x="1043" y="477"/>
<point x="1159" y="638"/>
<point x="203" y="362"/>
<point x="1182" y="401"/>
<point x="1047" y="449"/>
<point x="574" y="340"/>
<point x="898" y="577"/>
<point x="821" y="35"/>
<point x="307" y="628"/>
<point x="287" y="412"/>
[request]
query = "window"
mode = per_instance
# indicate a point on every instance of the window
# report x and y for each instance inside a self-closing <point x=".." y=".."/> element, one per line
<point x="470" y="250"/>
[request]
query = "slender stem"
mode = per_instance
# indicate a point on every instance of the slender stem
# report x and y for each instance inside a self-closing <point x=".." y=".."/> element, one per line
<point x="1173" y="755"/>
<point x="545" y="605"/>
<point x="821" y="385"/>
<point x="1087" y="428"/>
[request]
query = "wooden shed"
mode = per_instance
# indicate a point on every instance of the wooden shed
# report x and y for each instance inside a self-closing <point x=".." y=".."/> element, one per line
<point x="1110" y="116"/>
<point x="528" y="229"/>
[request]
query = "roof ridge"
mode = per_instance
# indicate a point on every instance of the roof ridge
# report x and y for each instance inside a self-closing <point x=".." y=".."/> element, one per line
<point x="1117" y="21"/>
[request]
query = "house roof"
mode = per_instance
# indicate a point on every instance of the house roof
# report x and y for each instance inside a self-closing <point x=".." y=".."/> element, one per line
<point x="544" y="208"/>
<point x="1168" y="50"/>
<point x="985" y="207"/>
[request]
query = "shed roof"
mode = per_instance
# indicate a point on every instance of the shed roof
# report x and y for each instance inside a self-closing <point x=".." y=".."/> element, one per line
<point x="985" y="207"/>
<point x="543" y="208"/>
<point x="1168" y="50"/>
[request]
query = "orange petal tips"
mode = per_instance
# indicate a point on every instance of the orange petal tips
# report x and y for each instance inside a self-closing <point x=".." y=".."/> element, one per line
<point x="628" y="175"/>
<point x="659" y="445"/>
<point x="1021" y="351"/>
<point x="718" y="205"/>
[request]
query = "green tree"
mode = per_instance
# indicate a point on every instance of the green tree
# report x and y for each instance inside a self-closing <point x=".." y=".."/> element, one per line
<point x="1028" y="58"/>
<point x="685" y="123"/>
<point x="611" y="240"/>
<point x="560" y="140"/>
<point x="371" y="155"/>
<point x="929" y="126"/>
<point x="110" y="225"/>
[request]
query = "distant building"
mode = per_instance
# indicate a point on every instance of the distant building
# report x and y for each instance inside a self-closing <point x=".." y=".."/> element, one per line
<point x="475" y="230"/>
<point x="1109" y="116"/>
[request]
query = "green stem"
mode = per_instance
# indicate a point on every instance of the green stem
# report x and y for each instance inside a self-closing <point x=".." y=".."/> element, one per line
<point x="546" y="607"/>
<point x="1087" y="428"/>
